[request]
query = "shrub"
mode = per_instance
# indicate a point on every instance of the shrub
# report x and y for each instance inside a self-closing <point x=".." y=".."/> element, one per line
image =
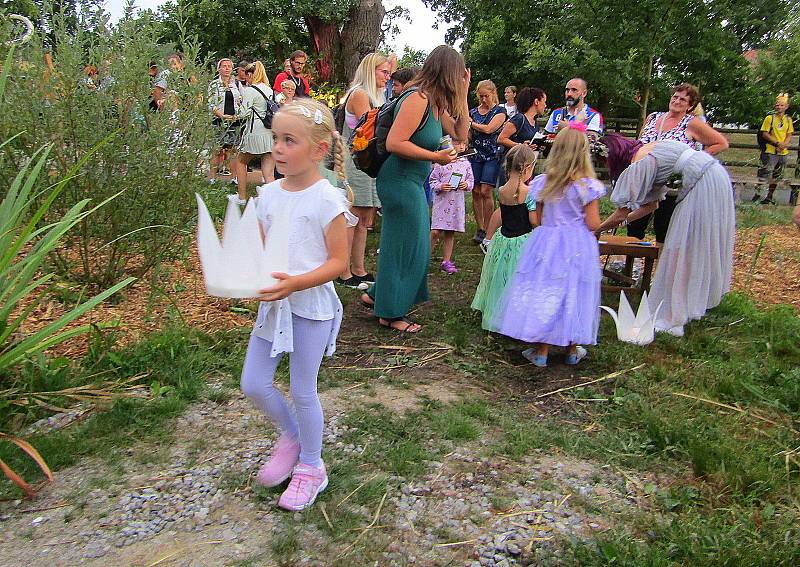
<point x="154" y="160"/>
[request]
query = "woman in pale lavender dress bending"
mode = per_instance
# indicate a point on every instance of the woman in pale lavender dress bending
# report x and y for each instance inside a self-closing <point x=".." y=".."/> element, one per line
<point x="554" y="296"/>
<point x="696" y="261"/>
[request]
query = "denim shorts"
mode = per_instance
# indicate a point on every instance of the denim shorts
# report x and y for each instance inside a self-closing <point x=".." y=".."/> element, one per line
<point x="485" y="171"/>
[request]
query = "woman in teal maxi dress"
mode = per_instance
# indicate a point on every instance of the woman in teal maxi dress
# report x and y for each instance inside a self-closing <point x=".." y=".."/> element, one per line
<point x="405" y="246"/>
<point x="401" y="280"/>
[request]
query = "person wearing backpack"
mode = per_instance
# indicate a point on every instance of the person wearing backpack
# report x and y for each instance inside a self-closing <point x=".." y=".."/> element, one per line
<point x="365" y="93"/>
<point x="256" y="111"/>
<point x="435" y="102"/>
<point x="775" y="135"/>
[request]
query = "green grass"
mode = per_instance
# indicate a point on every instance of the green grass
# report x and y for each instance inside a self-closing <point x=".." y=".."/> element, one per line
<point x="177" y="359"/>
<point x="724" y="491"/>
<point x="754" y="215"/>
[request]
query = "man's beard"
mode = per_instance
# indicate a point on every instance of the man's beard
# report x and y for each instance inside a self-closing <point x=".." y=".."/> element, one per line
<point x="572" y="101"/>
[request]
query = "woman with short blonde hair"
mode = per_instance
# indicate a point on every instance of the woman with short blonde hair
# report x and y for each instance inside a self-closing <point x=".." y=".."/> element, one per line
<point x="224" y="99"/>
<point x="487" y="120"/>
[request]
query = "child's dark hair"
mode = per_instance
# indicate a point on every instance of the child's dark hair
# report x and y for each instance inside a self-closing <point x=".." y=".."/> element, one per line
<point x="518" y="158"/>
<point x="404" y="75"/>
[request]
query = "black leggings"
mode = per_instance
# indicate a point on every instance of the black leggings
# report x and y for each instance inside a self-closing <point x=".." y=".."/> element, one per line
<point x="661" y="218"/>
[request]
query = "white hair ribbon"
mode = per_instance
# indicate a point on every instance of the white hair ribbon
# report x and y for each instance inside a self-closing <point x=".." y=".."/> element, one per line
<point x="318" y="116"/>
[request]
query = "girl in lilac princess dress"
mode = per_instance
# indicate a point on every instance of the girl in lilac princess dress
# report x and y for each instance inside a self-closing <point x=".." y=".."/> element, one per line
<point x="553" y="297"/>
<point x="449" y="183"/>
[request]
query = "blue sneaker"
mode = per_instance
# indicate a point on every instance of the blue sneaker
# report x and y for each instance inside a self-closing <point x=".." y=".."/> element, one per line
<point x="530" y="355"/>
<point x="573" y="359"/>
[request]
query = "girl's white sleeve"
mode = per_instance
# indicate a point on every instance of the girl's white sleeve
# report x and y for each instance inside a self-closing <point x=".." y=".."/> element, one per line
<point x="332" y="204"/>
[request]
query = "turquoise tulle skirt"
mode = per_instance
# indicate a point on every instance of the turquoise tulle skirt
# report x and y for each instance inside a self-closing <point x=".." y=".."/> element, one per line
<point x="498" y="268"/>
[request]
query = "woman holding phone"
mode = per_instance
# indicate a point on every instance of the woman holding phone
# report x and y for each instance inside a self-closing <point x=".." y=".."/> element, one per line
<point x="521" y="128"/>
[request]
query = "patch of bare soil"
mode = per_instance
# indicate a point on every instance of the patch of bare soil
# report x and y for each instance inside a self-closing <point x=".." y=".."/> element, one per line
<point x="771" y="274"/>
<point x="772" y="280"/>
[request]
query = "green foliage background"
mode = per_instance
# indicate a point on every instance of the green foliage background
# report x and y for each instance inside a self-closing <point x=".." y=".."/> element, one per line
<point x="611" y="44"/>
<point x="156" y="159"/>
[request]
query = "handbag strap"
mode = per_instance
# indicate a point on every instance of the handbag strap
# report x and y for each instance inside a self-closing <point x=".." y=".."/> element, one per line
<point x="262" y="93"/>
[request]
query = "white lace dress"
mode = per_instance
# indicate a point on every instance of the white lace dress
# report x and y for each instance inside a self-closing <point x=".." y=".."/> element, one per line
<point x="696" y="262"/>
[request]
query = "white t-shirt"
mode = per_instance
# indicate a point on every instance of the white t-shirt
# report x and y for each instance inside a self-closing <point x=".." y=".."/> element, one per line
<point x="511" y="109"/>
<point x="311" y="210"/>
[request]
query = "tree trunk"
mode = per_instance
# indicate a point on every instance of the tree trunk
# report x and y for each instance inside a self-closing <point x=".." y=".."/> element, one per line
<point x="648" y="82"/>
<point x="326" y="43"/>
<point x="361" y="34"/>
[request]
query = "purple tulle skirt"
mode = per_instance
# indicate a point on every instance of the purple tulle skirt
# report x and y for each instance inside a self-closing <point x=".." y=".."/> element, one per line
<point x="554" y="295"/>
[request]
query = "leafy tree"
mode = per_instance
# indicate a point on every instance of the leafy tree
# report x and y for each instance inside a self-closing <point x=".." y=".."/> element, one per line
<point x="630" y="53"/>
<point x="336" y="33"/>
<point x="153" y="159"/>
<point x="778" y="68"/>
<point x="412" y="57"/>
<point x="250" y="29"/>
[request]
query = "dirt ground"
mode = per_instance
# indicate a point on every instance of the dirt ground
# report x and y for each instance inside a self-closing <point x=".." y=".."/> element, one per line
<point x="772" y="279"/>
<point x="78" y="520"/>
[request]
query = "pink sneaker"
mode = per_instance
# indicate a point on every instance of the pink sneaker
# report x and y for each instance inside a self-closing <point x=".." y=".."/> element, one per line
<point x="280" y="465"/>
<point x="307" y="482"/>
<point x="449" y="267"/>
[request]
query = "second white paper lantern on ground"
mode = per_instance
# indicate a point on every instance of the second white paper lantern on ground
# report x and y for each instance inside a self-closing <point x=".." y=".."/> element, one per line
<point x="639" y="329"/>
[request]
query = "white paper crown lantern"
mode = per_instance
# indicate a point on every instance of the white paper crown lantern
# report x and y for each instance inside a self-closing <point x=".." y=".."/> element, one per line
<point x="242" y="264"/>
<point x="639" y="330"/>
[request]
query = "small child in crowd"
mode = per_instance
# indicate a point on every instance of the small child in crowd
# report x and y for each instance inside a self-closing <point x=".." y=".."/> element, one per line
<point x="517" y="215"/>
<point x="449" y="183"/>
<point x="288" y="89"/>
<point x="301" y="314"/>
<point x="554" y="296"/>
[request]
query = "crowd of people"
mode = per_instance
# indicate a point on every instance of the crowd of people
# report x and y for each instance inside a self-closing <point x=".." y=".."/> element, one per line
<point x="541" y="276"/>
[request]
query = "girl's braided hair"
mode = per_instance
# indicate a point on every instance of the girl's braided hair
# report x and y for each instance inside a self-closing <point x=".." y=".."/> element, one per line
<point x="321" y="128"/>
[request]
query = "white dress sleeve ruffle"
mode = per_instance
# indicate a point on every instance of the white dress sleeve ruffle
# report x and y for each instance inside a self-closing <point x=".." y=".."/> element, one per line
<point x="635" y="185"/>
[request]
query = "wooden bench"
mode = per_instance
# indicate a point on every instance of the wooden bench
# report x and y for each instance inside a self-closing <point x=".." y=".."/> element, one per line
<point x="743" y="183"/>
<point x="631" y="248"/>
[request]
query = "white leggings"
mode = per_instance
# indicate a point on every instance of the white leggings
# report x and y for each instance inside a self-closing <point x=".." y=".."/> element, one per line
<point x="305" y="423"/>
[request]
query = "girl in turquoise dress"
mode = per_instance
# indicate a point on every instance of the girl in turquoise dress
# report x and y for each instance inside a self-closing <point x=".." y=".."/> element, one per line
<point x="435" y="103"/>
<point x="517" y="213"/>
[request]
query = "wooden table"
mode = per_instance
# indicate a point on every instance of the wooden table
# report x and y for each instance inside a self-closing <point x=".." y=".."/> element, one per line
<point x="631" y="248"/>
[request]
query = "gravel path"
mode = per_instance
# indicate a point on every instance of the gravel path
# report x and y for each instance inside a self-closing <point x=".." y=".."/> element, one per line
<point x="196" y="507"/>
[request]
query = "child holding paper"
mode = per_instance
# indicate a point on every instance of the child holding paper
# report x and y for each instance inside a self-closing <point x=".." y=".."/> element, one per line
<point x="449" y="183"/>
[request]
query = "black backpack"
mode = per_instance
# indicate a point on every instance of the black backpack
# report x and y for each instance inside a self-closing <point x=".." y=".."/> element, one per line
<point x="272" y="108"/>
<point x="372" y="157"/>
<point x="760" y="140"/>
<point x="338" y="114"/>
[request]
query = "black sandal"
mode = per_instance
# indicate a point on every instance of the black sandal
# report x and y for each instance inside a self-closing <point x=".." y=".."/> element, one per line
<point x="383" y="322"/>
